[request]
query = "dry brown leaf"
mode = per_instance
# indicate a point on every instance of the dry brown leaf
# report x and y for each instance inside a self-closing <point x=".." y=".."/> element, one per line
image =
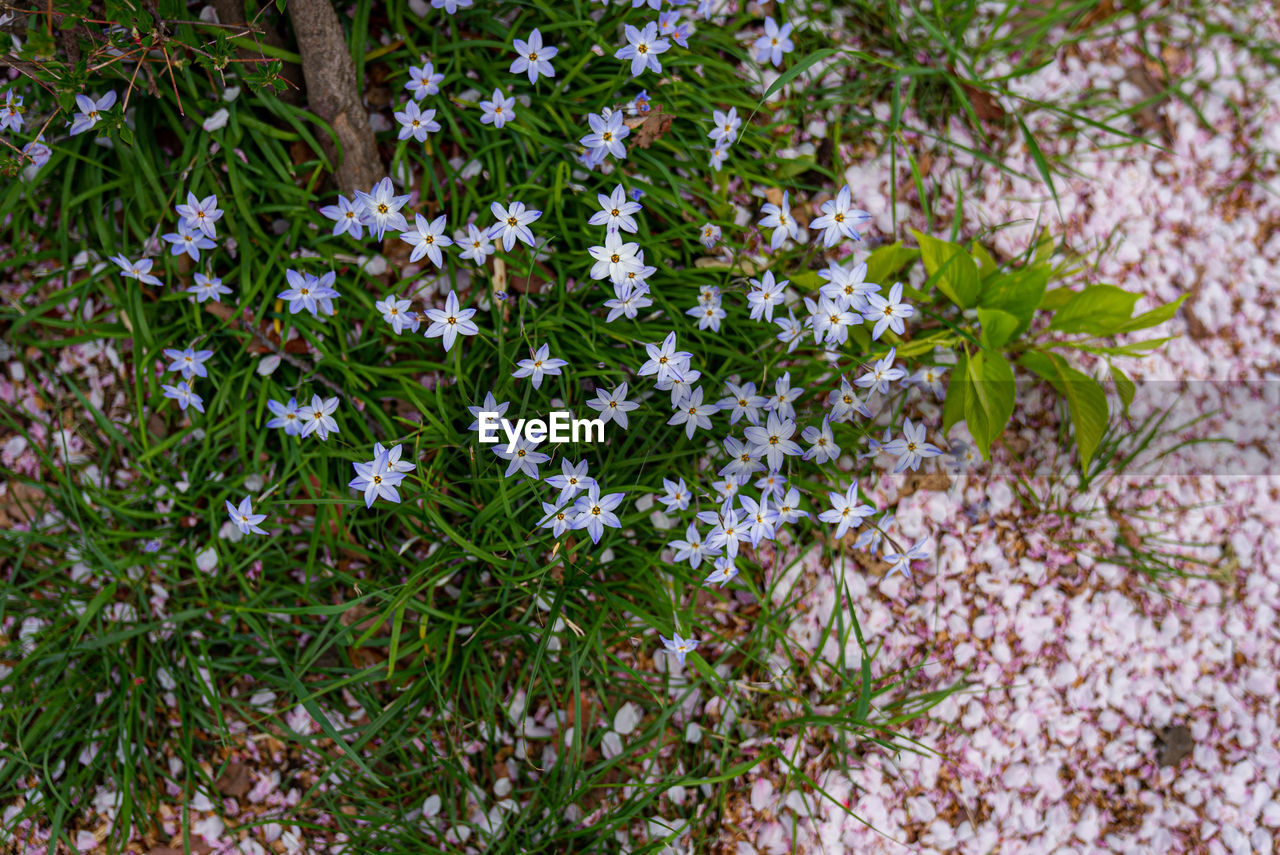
<point x="650" y="126"/>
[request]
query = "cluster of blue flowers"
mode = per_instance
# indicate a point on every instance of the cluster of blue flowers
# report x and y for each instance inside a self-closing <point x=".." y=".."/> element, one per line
<point x="754" y="498"/>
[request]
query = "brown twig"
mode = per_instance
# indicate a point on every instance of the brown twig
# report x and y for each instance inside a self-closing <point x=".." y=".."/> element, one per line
<point x="333" y="91"/>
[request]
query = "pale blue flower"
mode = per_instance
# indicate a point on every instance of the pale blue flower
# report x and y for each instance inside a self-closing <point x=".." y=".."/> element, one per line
<point x="416" y="122"/>
<point x="613" y="406"/>
<point x="244" y="518"/>
<point x="839" y="218"/>
<point x="724" y="573"/>
<point x="773" y="442"/>
<point x="90" y="111"/>
<point x="762" y="519"/>
<point x="772" y="483"/>
<point x="380" y="209"/>
<point x="681" y="647"/>
<point x="792" y="331"/>
<point x="931" y="377"/>
<point x="775" y="43"/>
<point x="498" y="111"/>
<point x="784" y="397"/>
<point x="512" y="224"/>
<point x="539" y="365"/>
<point x="847" y="286"/>
<point x="183" y="394"/>
<point x="627" y="300"/>
<point x="765" y="294"/>
<point x="398" y="313"/>
<point x="558" y="519"/>
<point x="692" y="549"/>
<point x="207" y="288"/>
<point x="286" y="416"/>
<point x="743" y="460"/>
<point x="428" y="238"/>
<point x="643" y="48"/>
<point x="822" y="442"/>
<point x="140" y="269"/>
<point x="11" y="112"/>
<point x="347" y="217"/>
<point x="778" y="218"/>
<point x="573" y="478"/>
<point x="900" y="562"/>
<point x="524" y="457"/>
<point x="789" y="508"/>
<point x="882" y="373"/>
<point x="475" y="246"/>
<point x="725" y="129"/>
<point x="677" y="495"/>
<point x="307" y="291"/>
<point x="665" y="361"/>
<point x="742" y="402"/>
<point x="911" y="448"/>
<point x="615" y="211"/>
<point x="595" y="512"/>
<point x="871" y="538"/>
<point x="187" y="240"/>
<point x="533" y="57"/>
<point x="451" y="6"/>
<point x="37" y="152"/>
<point x="189" y="362"/>
<point x="847" y="510"/>
<point x="490" y="405"/>
<point x="845" y="402"/>
<point x="718" y="155"/>
<point x="692" y="413"/>
<point x="451" y="321"/>
<point x="318" y="417"/>
<point x="380" y="477"/>
<point x="424" y="81"/>
<point x="728" y="532"/>
<point x="615" y="259"/>
<point x="607" y="134"/>
<point x="888" y="312"/>
<point x="201" y="214"/>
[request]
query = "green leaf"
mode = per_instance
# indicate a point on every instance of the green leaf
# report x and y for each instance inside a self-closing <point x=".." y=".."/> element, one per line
<point x="957" y="391"/>
<point x="988" y="404"/>
<point x="39" y="44"/>
<point x="1086" y="399"/>
<point x="791" y="168"/>
<point x="1125" y="387"/>
<point x="951" y="269"/>
<point x="885" y="261"/>
<point x="1137" y="348"/>
<point x="1054" y="300"/>
<point x="1018" y="292"/>
<point x="1037" y="156"/>
<point x="1153" y="318"/>
<point x="998" y="326"/>
<point x="1097" y="310"/>
<point x="986" y="264"/>
<point x="860" y="335"/>
<point x="808" y="280"/>
<point x="796" y="70"/>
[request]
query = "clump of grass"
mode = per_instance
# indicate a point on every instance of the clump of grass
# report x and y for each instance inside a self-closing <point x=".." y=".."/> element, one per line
<point x="406" y="633"/>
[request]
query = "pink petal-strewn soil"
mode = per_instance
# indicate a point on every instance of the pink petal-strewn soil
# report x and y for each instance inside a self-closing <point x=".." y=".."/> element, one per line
<point x="1082" y="670"/>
